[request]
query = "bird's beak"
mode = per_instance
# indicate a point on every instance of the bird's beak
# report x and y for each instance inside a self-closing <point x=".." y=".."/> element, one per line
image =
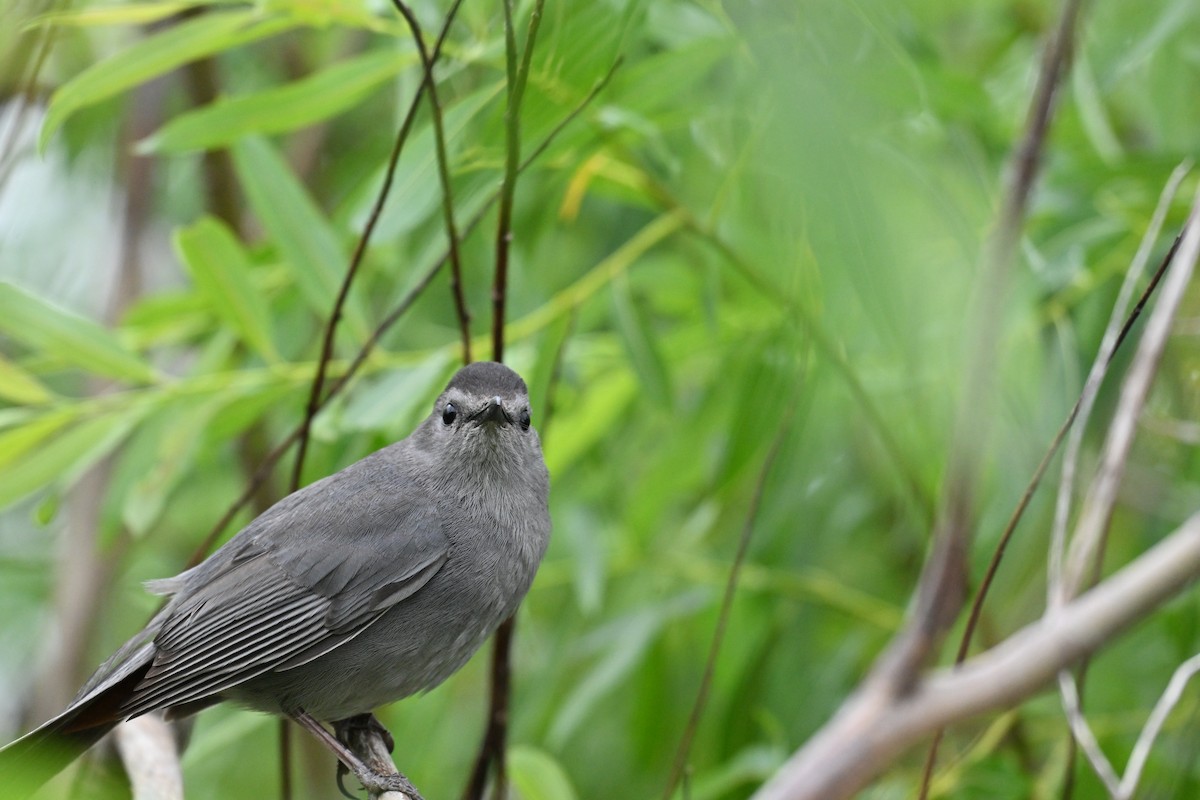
<point x="494" y="412"/>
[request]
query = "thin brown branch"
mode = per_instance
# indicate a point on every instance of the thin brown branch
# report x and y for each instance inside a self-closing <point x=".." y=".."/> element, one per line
<point x="360" y="249"/>
<point x="443" y="162"/>
<point x="710" y="663"/>
<point x="942" y="586"/>
<point x="518" y="76"/>
<point x="491" y="749"/>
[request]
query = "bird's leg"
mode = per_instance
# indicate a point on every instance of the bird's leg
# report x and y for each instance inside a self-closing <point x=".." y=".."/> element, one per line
<point x="375" y="781"/>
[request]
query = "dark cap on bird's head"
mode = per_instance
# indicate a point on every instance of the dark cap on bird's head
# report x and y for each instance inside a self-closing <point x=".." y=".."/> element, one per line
<point x="487" y="378"/>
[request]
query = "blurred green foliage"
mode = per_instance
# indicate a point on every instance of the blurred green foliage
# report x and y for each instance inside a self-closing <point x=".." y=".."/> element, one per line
<point x="773" y="204"/>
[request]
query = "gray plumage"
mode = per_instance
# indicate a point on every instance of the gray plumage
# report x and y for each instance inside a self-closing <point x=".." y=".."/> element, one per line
<point x="362" y="588"/>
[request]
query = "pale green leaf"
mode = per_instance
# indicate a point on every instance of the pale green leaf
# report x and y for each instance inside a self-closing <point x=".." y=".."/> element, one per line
<point x="221" y="270"/>
<point x="286" y="108"/>
<point x="64" y="457"/>
<point x="130" y="14"/>
<point x="18" y="386"/>
<point x="577" y="430"/>
<point x="70" y="337"/>
<point x="537" y="775"/>
<point x="19" y="439"/>
<point x="155" y="55"/>
<point x="300" y="231"/>
<point x="171" y="439"/>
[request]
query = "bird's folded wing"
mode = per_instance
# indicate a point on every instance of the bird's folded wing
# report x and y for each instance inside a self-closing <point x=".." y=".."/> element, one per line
<point x="308" y="575"/>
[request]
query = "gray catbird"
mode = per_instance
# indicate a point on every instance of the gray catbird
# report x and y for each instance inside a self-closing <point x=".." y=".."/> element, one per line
<point x="362" y="588"/>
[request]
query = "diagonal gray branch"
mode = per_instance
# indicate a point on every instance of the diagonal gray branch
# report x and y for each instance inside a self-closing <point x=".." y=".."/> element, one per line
<point x="872" y="729"/>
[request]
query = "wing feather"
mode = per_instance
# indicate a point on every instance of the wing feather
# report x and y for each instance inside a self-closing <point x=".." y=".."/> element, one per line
<point x="308" y="575"/>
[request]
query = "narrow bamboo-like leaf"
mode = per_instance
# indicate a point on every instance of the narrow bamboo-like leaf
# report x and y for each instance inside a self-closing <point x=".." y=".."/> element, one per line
<point x="131" y="14"/>
<point x="76" y="340"/>
<point x="572" y="435"/>
<point x="18" y="440"/>
<point x="390" y="402"/>
<point x="18" y="386"/>
<point x="285" y="108"/>
<point x="169" y="440"/>
<point x="157" y="54"/>
<point x="221" y="270"/>
<point x="549" y="352"/>
<point x="303" y="235"/>
<point x="64" y="457"/>
<point x="538" y="776"/>
<point x="639" y="342"/>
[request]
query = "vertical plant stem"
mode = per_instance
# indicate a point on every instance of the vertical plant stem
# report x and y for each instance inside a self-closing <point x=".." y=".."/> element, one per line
<point x="518" y="76"/>
<point x="439" y="139"/>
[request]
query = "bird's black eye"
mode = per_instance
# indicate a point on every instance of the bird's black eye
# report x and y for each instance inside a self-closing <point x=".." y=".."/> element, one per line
<point x="525" y="420"/>
<point x="449" y="414"/>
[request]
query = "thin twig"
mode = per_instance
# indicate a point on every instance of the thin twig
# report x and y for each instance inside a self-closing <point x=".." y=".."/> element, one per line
<point x="710" y="662"/>
<point x="1108" y="348"/>
<point x="439" y="139"/>
<point x="942" y="584"/>
<point x="1091" y="532"/>
<point x="360" y="248"/>
<point x="1158" y="717"/>
<point x="491" y="749"/>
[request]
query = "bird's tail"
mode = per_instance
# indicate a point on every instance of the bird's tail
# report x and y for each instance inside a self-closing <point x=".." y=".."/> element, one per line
<point x="35" y="758"/>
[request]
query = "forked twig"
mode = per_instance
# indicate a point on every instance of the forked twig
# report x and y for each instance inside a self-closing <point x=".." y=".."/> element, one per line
<point x="1110" y="344"/>
<point x="360" y="248"/>
<point x="1087" y="545"/>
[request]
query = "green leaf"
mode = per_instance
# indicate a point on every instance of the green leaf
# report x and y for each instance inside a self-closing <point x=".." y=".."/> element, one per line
<point x="64" y="457"/>
<point x="75" y="339"/>
<point x="155" y="55"/>
<point x="390" y="402"/>
<point x="131" y="14"/>
<point x="18" y="386"/>
<point x="171" y="438"/>
<point x="537" y="775"/>
<point x="576" y="431"/>
<point x="221" y="270"/>
<point x="17" y="440"/>
<point x="639" y="341"/>
<point x="281" y="109"/>
<point x="310" y="246"/>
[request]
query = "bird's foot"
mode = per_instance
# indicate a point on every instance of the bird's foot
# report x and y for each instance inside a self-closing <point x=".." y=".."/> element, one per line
<point x="359" y="745"/>
<point x="347" y="730"/>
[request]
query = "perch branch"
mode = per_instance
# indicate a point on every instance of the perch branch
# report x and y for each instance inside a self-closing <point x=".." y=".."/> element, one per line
<point x="871" y="730"/>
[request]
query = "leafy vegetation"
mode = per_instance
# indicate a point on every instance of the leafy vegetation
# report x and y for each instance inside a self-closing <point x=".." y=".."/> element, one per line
<point x="765" y="228"/>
